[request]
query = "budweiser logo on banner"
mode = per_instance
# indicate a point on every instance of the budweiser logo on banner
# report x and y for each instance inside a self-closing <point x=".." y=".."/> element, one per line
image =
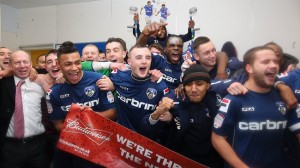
<point x="90" y="136"/>
<point x="95" y="135"/>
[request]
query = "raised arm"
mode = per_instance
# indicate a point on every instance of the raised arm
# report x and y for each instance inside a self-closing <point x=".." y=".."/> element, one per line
<point x="152" y="29"/>
<point x="222" y="60"/>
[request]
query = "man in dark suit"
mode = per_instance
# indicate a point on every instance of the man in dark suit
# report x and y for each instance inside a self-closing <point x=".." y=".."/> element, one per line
<point x="28" y="149"/>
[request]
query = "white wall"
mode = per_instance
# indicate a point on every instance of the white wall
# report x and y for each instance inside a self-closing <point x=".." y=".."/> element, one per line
<point x="0" y="24"/>
<point x="38" y="25"/>
<point x="246" y="23"/>
<point x="9" y="27"/>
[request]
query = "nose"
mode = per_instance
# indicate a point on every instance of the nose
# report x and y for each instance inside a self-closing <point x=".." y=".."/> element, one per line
<point x="213" y="54"/>
<point x="22" y="64"/>
<point x="73" y="67"/>
<point x="110" y="55"/>
<point x="274" y="64"/>
<point x="194" y="87"/>
<point x="144" y="60"/>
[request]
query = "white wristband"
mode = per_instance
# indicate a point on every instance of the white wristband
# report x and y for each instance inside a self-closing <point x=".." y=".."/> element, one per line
<point x="97" y="66"/>
<point x="278" y="82"/>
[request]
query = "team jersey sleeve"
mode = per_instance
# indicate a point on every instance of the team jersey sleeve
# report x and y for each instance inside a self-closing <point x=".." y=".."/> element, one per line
<point x="57" y="112"/>
<point x="288" y="78"/>
<point x="107" y="101"/>
<point x="226" y="117"/>
<point x="293" y="118"/>
<point x="188" y="36"/>
<point x="220" y="87"/>
<point x="157" y="62"/>
<point x="114" y="77"/>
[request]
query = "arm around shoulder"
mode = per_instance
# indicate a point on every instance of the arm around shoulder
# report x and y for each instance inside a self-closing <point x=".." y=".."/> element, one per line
<point x="287" y="95"/>
<point x="222" y="61"/>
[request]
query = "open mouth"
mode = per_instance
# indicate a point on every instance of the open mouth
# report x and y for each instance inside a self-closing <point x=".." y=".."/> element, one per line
<point x="271" y="75"/>
<point x="143" y="69"/>
<point x="6" y="62"/>
<point x="23" y="72"/>
<point x="175" y="56"/>
<point x="55" y="71"/>
<point x="73" y="76"/>
<point x="113" y="60"/>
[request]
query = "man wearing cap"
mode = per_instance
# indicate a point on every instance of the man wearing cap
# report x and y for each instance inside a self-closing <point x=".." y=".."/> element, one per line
<point x="189" y="131"/>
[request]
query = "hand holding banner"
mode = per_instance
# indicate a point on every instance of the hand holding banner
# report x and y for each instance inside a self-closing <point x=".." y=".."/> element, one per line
<point x="90" y="136"/>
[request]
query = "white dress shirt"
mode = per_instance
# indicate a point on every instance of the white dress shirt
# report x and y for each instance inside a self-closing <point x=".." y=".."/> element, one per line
<point x="32" y="94"/>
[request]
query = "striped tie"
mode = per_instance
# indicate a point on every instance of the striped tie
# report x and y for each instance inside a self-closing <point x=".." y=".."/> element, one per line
<point x="18" y="115"/>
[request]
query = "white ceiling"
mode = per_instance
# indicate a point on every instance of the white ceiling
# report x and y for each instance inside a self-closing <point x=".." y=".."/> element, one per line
<point x="19" y="4"/>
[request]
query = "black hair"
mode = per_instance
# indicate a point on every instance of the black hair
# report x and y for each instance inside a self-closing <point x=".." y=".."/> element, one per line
<point x="37" y="58"/>
<point x="101" y="51"/>
<point x="229" y="49"/>
<point x="52" y="51"/>
<point x="288" y="60"/>
<point x="66" y="47"/>
<point x="118" y="40"/>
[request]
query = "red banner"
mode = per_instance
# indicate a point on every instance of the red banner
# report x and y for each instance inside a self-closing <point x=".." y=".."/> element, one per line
<point x="102" y="141"/>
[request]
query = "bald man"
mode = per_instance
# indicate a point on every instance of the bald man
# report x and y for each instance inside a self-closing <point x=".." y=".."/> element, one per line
<point x="25" y="147"/>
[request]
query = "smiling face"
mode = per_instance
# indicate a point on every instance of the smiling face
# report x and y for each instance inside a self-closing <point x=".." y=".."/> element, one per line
<point x="115" y="52"/>
<point x="206" y="55"/>
<point x="102" y="57"/>
<point x="90" y="53"/>
<point x="140" y="59"/>
<point x="5" y="54"/>
<point x="70" y="66"/>
<point x="41" y="64"/>
<point x="196" y="90"/>
<point x="51" y="65"/>
<point x="264" y="69"/>
<point x="20" y="64"/>
<point x="174" y="49"/>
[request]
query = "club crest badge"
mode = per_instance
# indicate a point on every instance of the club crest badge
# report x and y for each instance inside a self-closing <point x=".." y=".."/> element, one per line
<point x="89" y="91"/>
<point x="151" y="93"/>
<point x="281" y="107"/>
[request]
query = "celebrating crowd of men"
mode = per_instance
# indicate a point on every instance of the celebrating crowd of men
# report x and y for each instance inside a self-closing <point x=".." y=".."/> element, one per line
<point x="174" y="101"/>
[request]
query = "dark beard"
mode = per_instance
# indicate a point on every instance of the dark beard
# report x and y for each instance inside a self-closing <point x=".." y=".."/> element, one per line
<point x="260" y="82"/>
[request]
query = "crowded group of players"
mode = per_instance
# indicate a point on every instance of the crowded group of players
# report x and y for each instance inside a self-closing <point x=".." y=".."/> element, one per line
<point x="210" y="107"/>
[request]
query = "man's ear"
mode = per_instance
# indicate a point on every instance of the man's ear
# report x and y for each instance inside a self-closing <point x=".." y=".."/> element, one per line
<point x="208" y="86"/>
<point x="196" y="56"/>
<point x="124" y="54"/>
<point x="129" y="61"/>
<point x="249" y="68"/>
